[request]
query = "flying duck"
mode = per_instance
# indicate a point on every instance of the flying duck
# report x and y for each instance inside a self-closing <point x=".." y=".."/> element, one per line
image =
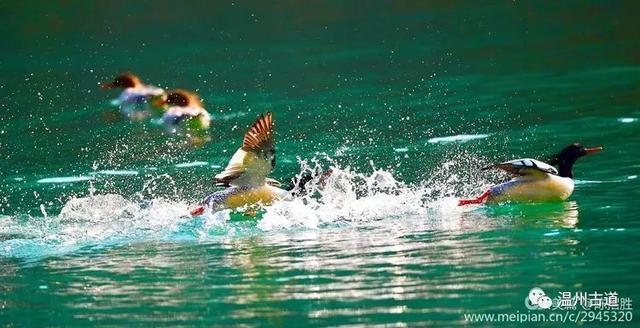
<point x="246" y="175"/>
<point x="535" y="181"/>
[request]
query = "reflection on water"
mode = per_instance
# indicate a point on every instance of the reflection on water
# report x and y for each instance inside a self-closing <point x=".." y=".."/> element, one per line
<point x="560" y="215"/>
<point x="362" y="249"/>
<point x="395" y="271"/>
<point x="372" y="83"/>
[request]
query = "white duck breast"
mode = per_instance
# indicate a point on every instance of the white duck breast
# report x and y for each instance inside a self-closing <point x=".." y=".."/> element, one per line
<point x="532" y="188"/>
<point x="175" y="114"/>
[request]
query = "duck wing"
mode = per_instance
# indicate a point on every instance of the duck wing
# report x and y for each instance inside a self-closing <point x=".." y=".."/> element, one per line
<point x="523" y="166"/>
<point x="254" y="161"/>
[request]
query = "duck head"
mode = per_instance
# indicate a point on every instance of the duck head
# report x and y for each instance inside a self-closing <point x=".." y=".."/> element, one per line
<point x="182" y="98"/>
<point x="569" y="155"/>
<point x="123" y="81"/>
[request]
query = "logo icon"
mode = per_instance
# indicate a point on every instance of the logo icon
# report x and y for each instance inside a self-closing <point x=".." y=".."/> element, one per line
<point x="537" y="300"/>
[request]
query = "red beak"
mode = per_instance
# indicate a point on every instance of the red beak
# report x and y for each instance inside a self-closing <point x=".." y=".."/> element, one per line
<point x="197" y="211"/>
<point x="593" y="150"/>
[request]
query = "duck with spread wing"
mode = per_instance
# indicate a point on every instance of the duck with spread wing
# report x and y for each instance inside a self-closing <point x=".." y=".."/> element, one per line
<point x="246" y="175"/>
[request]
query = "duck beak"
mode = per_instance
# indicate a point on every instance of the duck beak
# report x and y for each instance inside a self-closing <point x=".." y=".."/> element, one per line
<point x="593" y="150"/>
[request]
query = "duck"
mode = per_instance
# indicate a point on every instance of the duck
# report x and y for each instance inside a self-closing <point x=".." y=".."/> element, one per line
<point x="185" y="109"/>
<point x="137" y="100"/>
<point x="246" y="176"/>
<point x="535" y="181"/>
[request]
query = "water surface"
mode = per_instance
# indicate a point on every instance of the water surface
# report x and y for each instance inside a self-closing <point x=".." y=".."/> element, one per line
<point x="404" y="99"/>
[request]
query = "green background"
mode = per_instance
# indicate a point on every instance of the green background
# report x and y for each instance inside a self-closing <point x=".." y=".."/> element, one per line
<point x="366" y="83"/>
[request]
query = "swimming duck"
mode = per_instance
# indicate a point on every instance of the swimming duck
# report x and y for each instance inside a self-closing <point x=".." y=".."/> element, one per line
<point x="185" y="108"/>
<point x="137" y="99"/>
<point x="535" y="181"/>
<point x="246" y="174"/>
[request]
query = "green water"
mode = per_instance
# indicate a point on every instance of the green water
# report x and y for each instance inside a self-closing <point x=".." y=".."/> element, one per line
<point x="362" y="87"/>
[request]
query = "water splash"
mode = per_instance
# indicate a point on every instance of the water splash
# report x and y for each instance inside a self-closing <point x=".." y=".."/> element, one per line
<point x="346" y="198"/>
<point x="357" y="199"/>
<point x="191" y="164"/>
<point x="87" y="221"/>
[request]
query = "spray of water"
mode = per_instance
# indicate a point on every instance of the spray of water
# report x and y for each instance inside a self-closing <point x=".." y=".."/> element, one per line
<point x="352" y="198"/>
<point x="346" y="198"/>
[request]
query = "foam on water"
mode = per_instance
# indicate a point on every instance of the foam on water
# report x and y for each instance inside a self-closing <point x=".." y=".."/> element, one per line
<point x="90" y="221"/>
<point x="345" y="198"/>
<point x="627" y="119"/>
<point x="457" y="138"/>
<point x="587" y="182"/>
<point x="65" y="179"/>
<point x="191" y="164"/>
<point x="356" y="199"/>
<point x="117" y="172"/>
